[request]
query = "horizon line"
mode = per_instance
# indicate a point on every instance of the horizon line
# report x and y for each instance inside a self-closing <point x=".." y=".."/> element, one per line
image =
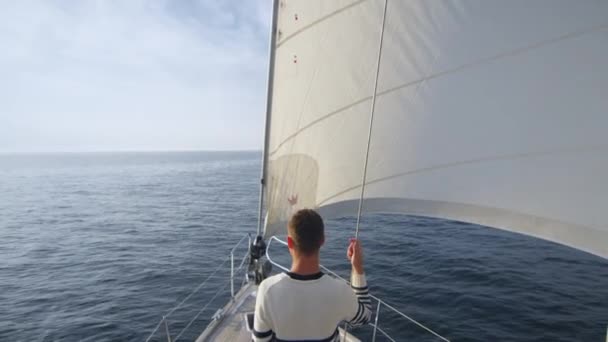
<point x="124" y="151"/>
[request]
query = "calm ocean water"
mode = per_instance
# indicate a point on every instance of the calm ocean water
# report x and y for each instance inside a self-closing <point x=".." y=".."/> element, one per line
<point x="97" y="247"/>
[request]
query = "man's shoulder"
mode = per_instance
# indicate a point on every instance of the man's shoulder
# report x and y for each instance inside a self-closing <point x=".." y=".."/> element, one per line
<point x="336" y="282"/>
<point x="269" y="282"/>
<point x="327" y="282"/>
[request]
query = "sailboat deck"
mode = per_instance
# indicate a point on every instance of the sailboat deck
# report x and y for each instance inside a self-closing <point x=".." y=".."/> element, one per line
<point x="230" y="325"/>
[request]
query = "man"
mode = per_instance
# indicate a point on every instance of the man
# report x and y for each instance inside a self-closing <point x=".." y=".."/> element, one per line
<point x="305" y="304"/>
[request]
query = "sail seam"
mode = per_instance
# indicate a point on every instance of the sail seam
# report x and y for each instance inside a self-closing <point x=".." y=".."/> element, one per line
<point x="322" y="19"/>
<point x="489" y="216"/>
<point x="314" y="122"/>
<point x="443" y="73"/>
<point x="510" y="53"/>
<point x="469" y="162"/>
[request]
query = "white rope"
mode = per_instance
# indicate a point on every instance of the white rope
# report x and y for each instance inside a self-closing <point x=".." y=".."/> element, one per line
<point x="199" y="312"/>
<point x="209" y="302"/>
<point x="203" y="284"/>
<point x="383" y="332"/>
<point x="185" y="299"/>
<point x="197" y="288"/>
<point x="413" y="320"/>
<point x="371" y="121"/>
<point x="155" y="329"/>
<point x="206" y="305"/>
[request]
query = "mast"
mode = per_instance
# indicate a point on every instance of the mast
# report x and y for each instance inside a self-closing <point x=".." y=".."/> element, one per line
<point x="273" y="37"/>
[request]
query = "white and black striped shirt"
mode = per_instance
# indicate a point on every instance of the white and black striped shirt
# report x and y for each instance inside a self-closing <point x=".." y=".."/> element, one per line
<point x="292" y="307"/>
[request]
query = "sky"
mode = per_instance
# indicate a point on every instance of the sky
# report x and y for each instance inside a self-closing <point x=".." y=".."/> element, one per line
<point x="137" y="75"/>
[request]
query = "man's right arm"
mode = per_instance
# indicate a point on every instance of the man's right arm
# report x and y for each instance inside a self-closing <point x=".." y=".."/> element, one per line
<point x="359" y="285"/>
<point x="364" y="303"/>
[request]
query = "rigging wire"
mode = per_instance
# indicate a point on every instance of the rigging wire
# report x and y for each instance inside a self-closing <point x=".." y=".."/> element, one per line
<point x="371" y="121"/>
<point x="187" y="297"/>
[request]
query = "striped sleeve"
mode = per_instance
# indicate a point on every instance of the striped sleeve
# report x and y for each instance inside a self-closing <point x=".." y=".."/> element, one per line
<point x="262" y="323"/>
<point x="364" y="302"/>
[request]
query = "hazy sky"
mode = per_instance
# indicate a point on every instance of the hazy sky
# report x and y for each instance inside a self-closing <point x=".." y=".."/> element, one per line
<point x="132" y="75"/>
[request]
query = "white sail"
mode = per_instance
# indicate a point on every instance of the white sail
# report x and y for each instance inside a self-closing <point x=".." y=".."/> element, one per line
<point x="490" y="112"/>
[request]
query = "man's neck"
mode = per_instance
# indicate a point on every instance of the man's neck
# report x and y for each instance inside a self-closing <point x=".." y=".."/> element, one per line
<point x="305" y="265"/>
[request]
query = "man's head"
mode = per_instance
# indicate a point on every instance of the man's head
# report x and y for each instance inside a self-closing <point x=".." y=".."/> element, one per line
<point x="305" y="232"/>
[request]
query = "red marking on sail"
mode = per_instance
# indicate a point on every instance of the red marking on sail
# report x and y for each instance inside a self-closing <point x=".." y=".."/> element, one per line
<point x="293" y="199"/>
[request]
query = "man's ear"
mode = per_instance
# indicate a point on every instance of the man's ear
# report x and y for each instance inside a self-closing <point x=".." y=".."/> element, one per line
<point x="290" y="242"/>
<point x="323" y="240"/>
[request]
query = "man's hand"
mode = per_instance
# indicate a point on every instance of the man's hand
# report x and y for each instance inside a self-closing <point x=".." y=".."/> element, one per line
<point x="354" y="254"/>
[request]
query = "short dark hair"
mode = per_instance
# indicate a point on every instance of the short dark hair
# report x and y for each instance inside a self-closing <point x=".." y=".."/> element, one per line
<point x="307" y="231"/>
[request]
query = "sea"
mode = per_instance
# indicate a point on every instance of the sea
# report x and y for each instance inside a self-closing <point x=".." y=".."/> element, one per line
<point x="101" y="246"/>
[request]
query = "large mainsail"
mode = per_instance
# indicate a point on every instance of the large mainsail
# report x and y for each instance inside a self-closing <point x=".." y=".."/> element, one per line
<point x="490" y="112"/>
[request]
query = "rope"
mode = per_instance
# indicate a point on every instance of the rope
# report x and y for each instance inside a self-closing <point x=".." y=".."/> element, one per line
<point x="413" y="320"/>
<point x="371" y="121"/>
<point x="206" y="305"/>
<point x="199" y="312"/>
<point x="383" y="332"/>
<point x="187" y="297"/>
<point x="209" y="302"/>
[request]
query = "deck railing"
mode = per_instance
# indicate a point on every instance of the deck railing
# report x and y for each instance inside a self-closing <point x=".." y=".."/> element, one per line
<point x="380" y="303"/>
<point x="234" y="271"/>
